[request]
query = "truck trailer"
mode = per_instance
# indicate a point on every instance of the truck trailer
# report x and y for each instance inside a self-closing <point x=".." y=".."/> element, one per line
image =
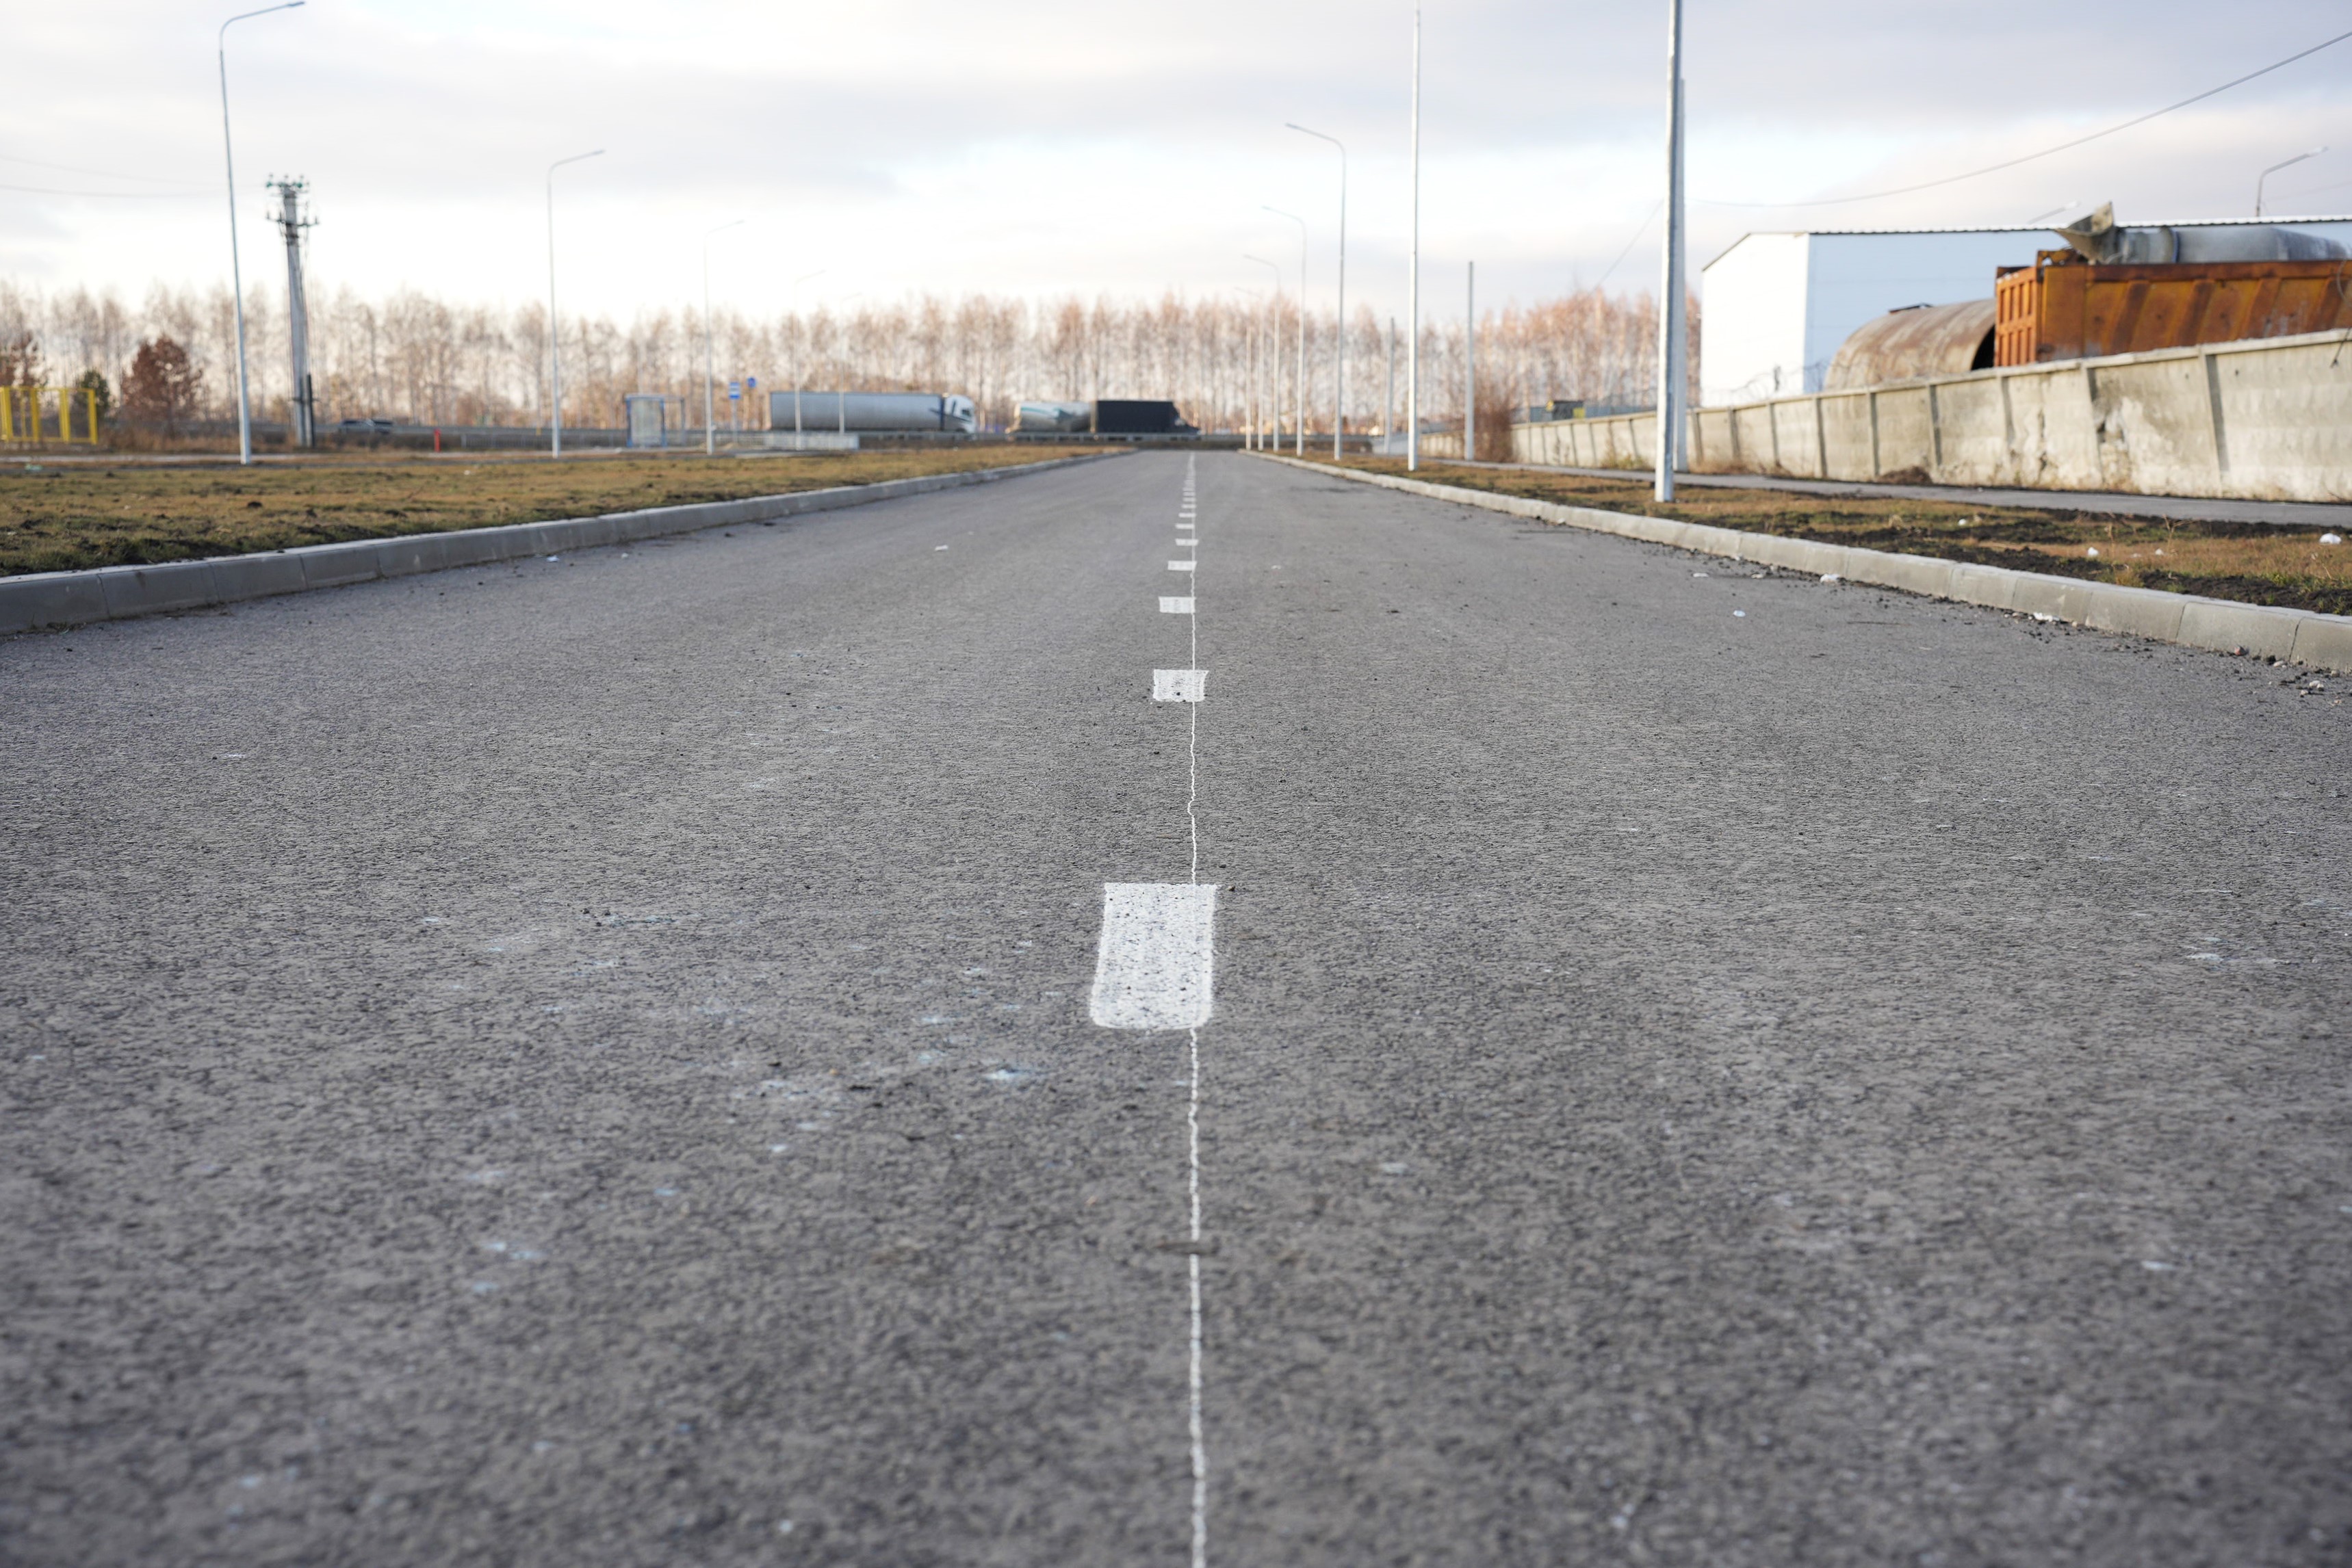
<point x="1140" y="416"/>
<point x="1054" y="418"/>
<point x="872" y="414"/>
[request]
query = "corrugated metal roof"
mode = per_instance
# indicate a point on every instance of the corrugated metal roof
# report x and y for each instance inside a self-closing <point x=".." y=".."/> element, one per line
<point x="2266" y="222"/>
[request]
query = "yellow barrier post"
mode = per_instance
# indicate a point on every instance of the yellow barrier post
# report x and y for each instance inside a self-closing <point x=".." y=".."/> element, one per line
<point x="8" y="413"/>
<point x="89" y="401"/>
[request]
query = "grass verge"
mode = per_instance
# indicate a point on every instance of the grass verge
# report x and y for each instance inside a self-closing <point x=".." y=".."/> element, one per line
<point x="63" y="517"/>
<point x="2254" y="563"/>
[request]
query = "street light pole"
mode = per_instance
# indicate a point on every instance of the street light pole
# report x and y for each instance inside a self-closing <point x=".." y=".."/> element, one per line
<point x="1672" y="344"/>
<point x="2274" y="169"/>
<point x="1274" y="366"/>
<point x="791" y="292"/>
<point x="235" y="268"/>
<point x="1470" y="370"/>
<point x="1339" y="369"/>
<point x="555" y="322"/>
<point x="710" y="414"/>
<point x="1388" y="399"/>
<point x="1412" y="278"/>
<point x="1249" y="380"/>
<point x="1298" y="385"/>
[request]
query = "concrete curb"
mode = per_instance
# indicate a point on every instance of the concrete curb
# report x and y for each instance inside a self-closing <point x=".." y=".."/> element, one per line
<point x="118" y="592"/>
<point x="2302" y="636"/>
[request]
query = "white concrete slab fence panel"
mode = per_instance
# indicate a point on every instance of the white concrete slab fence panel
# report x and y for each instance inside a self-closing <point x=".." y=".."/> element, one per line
<point x="2260" y="419"/>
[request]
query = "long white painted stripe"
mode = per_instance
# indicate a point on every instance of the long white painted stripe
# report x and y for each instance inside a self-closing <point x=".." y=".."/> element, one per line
<point x="1180" y="566"/>
<point x="1174" y="606"/>
<point x="1156" y="967"/>
<point x="1199" y="1443"/>
<point x="1178" y="685"/>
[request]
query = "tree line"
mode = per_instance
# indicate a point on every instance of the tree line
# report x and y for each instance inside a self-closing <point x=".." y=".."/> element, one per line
<point x="418" y="359"/>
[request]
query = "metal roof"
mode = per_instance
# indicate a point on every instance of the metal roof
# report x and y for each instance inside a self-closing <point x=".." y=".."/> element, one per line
<point x="2264" y="221"/>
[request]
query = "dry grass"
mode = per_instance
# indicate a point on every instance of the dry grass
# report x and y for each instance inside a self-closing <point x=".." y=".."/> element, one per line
<point x="2252" y="563"/>
<point x="56" y="517"/>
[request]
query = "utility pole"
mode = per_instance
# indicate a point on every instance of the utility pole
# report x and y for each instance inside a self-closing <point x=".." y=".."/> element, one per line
<point x="1673" y="346"/>
<point x="1412" y="277"/>
<point x="1470" y="375"/>
<point x="291" y="223"/>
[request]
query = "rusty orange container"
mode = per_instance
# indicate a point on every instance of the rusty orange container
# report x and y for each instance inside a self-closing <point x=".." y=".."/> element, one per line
<point x="2064" y="307"/>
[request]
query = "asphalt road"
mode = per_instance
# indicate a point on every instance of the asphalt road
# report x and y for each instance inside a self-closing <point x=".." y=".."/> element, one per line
<point x="590" y="1061"/>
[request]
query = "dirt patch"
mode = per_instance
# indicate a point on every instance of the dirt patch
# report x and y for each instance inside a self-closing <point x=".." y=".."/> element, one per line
<point x="63" y="517"/>
<point x="2255" y="563"/>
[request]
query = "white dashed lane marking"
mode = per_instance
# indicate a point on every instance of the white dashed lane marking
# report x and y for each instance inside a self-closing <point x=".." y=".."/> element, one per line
<point x="1178" y="685"/>
<point x="1156" y="967"/>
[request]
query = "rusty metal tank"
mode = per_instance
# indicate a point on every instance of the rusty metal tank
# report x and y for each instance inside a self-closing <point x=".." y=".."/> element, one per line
<point x="1919" y="341"/>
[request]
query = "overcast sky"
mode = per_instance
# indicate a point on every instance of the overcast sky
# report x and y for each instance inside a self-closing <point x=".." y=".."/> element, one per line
<point x="1045" y="147"/>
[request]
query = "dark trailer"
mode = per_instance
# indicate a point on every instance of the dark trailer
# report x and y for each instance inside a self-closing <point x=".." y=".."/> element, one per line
<point x="1140" y="416"/>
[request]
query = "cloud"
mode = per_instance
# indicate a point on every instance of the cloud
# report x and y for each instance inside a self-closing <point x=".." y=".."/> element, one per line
<point x="1079" y="147"/>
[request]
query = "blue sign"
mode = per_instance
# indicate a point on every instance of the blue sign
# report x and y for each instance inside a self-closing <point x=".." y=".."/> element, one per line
<point x="734" y="391"/>
<point x="751" y="382"/>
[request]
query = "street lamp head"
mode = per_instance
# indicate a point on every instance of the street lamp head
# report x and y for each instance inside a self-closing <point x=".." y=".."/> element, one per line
<point x="2273" y="169"/>
<point x="265" y="10"/>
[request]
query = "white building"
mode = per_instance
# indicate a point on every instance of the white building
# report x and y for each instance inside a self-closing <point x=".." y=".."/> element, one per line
<point x="1777" y="306"/>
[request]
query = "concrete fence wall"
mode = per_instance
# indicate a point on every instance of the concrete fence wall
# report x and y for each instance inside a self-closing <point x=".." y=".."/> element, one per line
<point x="2264" y="420"/>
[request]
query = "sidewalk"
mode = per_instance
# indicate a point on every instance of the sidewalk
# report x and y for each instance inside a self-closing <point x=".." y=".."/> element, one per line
<point x="2286" y="514"/>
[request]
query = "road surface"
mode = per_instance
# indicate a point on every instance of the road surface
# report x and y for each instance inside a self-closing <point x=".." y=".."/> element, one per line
<point x="593" y="1061"/>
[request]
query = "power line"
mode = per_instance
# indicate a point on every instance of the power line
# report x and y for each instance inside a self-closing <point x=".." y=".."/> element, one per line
<point x="1632" y="243"/>
<point x="2047" y="151"/>
<point x="112" y="195"/>
<point x="102" y="174"/>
